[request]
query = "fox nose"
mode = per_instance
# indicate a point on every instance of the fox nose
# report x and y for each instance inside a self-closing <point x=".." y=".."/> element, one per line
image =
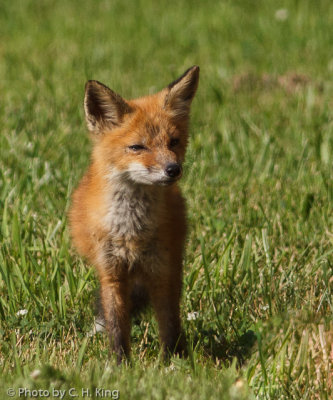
<point x="173" y="170"/>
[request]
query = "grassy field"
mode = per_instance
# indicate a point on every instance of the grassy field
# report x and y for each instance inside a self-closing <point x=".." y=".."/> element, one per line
<point x="257" y="302"/>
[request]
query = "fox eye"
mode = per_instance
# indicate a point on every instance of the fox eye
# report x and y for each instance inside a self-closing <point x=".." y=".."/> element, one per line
<point x="174" y="142"/>
<point x="137" y="147"/>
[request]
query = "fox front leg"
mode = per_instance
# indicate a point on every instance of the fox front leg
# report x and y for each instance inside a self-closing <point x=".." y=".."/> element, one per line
<point x="116" y="309"/>
<point x="166" y="303"/>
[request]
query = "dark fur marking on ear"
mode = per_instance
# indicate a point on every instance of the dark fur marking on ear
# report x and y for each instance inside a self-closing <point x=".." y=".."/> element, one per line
<point x="172" y="84"/>
<point x="104" y="109"/>
<point x="93" y="81"/>
<point x="185" y="86"/>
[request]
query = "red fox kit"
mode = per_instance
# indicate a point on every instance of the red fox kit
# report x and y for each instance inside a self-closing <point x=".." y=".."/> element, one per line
<point x="127" y="215"/>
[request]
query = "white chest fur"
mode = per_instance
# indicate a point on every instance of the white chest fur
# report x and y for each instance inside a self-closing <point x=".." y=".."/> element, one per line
<point x="132" y="220"/>
<point x="132" y="210"/>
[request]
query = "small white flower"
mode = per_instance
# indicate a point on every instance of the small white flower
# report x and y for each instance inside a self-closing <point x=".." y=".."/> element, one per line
<point x="282" y="14"/>
<point x="22" y="312"/>
<point x="98" y="327"/>
<point x="192" y="315"/>
<point x="171" y="367"/>
<point x="239" y="384"/>
<point x="35" y="374"/>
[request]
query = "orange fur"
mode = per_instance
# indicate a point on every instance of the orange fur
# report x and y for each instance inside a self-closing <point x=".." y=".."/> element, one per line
<point x="128" y="217"/>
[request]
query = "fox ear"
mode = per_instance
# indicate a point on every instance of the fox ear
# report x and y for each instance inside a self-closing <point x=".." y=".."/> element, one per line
<point x="180" y="93"/>
<point x="104" y="108"/>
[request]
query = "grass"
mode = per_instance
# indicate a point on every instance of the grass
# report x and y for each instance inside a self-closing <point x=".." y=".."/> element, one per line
<point x="257" y="303"/>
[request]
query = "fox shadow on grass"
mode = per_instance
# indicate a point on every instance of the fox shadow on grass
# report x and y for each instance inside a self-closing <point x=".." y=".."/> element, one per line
<point x="217" y="346"/>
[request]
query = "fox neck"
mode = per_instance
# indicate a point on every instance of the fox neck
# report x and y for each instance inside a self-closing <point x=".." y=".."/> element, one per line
<point x="132" y="209"/>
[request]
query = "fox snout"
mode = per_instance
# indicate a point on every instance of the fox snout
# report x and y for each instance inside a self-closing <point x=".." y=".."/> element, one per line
<point x="173" y="170"/>
<point x="154" y="175"/>
<point x="154" y="167"/>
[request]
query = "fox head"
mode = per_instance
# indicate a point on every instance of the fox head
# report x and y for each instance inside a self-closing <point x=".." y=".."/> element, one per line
<point x="142" y="140"/>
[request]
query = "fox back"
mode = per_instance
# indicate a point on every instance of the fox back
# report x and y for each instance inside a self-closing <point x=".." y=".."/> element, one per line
<point x="128" y="217"/>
